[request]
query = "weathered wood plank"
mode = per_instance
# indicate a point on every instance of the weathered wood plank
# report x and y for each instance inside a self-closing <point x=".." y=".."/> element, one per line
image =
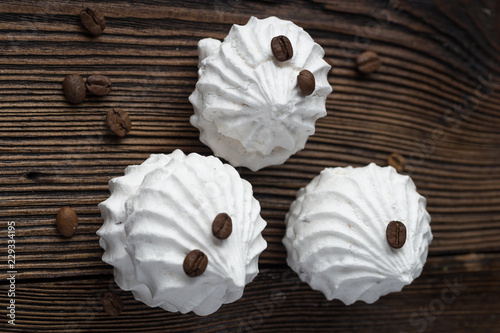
<point x="458" y="288"/>
<point x="435" y="100"/>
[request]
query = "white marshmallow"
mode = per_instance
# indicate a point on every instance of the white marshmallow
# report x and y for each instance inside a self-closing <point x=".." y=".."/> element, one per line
<point x="336" y="233"/>
<point x="161" y="210"/>
<point x="247" y="105"/>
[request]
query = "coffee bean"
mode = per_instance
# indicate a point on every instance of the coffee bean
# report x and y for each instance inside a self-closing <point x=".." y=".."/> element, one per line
<point x="222" y="226"/>
<point x="396" y="234"/>
<point x="74" y="88"/>
<point x="112" y="304"/>
<point x="99" y="85"/>
<point x="397" y="161"/>
<point x="195" y="263"/>
<point x="282" y="48"/>
<point x="66" y="221"/>
<point x="306" y="82"/>
<point x="368" y="62"/>
<point x="118" y="122"/>
<point x="93" y="20"/>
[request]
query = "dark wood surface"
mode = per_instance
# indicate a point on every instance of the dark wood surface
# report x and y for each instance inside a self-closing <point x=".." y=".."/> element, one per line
<point x="435" y="100"/>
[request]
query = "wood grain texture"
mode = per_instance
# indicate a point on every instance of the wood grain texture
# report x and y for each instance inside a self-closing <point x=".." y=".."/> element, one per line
<point x="435" y="100"/>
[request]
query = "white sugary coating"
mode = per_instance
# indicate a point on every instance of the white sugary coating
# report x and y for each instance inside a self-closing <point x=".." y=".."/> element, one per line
<point x="161" y="210"/>
<point x="336" y="233"/>
<point x="247" y="104"/>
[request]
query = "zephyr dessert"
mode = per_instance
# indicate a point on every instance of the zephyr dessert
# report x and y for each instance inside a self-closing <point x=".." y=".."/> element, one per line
<point x="182" y="232"/>
<point x="259" y="92"/>
<point x="358" y="233"/>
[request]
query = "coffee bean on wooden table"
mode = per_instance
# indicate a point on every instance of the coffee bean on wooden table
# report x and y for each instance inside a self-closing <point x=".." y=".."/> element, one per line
<point x="112" y="304"/>
<point x="195" y="263"/>
<point x="66" y="221"/>
<point x="118" y="122"/>
<point x="282" y="48"/>
<point x="93" y="21"/>
<point x="99" y="85"/>
<point x="368" y="62"/>
<point x="396" y="234"/>
<point x="222" y="226"/>
<point x="74" y="88"/>
<point x="397" y="161"/>
<point x="306" y="82"/>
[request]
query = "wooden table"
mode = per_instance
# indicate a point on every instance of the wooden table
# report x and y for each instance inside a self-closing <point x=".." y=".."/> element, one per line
<point x="435" y="100"/>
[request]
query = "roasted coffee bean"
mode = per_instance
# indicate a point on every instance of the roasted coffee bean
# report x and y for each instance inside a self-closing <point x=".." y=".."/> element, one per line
<point x="306" y="82"/>
<point x="282" y="48"/>
<point x="222" y="226"/>
<point x="118" y="122"/>
<point x="99" y="85"/>
<point x="368" y="62"/>
<point x="66" y="221"/>
<point x="74" y="88"/>
<point x="396" y="234"/>
<point x="112" y="304"/>
<point x="195" y="263"/>
<point x="397" y="161"/>
<point x="93" y="20"/>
